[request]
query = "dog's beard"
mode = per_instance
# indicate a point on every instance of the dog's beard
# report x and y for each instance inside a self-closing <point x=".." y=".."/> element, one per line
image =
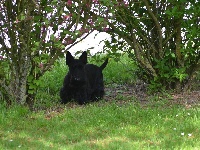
<point x="77" y="83"/>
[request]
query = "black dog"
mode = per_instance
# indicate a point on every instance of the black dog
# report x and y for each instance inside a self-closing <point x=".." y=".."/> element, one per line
<point x="84" y="82"/>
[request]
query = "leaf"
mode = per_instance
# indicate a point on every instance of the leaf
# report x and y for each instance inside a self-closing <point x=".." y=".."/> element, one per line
<point x="31" y="91"/>
<point x="100" y="19"/>
<point x="30" y="78"/>
<point x="90" y="48"/>
<point x="32" y="86"/>
<point x="37" y="82"/>
<point x="22" y="17"/>
<point x="37" y="44"/>
<point x="34" y="49"/>
<point x="173" y="55"/>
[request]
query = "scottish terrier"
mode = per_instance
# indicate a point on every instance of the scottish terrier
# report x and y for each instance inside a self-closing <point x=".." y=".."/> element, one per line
<point x="84" y="82"/>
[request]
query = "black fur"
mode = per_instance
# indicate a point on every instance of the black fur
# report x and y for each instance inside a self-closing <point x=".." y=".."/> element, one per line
<point x="84" y="82"/>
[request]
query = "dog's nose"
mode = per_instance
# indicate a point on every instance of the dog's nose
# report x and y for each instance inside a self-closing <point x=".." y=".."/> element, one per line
<point x="77" y="79"/>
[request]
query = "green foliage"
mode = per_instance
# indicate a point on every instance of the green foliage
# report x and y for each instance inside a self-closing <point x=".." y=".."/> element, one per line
<point x="51" y="82"/>
<point x="33" y="84"/>
<point x="163" y="40"/>
<point x="119" y="70"/>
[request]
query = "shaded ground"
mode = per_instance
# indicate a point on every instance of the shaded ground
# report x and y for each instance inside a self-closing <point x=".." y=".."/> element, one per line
<point x="138" y="93"/>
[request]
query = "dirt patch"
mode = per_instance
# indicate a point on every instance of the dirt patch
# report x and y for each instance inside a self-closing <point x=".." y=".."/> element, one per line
<point x="187" y="98"/>
<point x="138" y="93"/>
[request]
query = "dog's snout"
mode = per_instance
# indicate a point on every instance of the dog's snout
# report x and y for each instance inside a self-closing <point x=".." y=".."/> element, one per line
<point x="77" y="79"/>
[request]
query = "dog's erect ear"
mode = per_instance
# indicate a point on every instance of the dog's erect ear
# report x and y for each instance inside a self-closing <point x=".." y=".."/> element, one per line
<point x="69" y="58"/>
<point x="83" y="57"/>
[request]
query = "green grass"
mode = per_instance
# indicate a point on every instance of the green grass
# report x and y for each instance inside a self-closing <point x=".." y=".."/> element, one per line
<point x="101" y="125"/>
<point x="108" y="126"/>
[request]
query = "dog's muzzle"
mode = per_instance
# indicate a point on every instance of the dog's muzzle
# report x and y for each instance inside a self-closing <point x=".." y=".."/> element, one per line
<point x="76" y="82"/>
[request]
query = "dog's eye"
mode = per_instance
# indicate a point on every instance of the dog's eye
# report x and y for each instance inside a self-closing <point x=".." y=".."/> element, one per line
<point x="78" y="66"/>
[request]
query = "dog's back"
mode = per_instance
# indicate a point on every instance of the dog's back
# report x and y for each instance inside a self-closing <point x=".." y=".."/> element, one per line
<point x="95" y="78"/>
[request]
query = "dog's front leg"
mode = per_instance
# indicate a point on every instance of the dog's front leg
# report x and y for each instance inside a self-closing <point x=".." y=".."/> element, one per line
<point x="82" y="97"/>
<point x="64" y="95"/>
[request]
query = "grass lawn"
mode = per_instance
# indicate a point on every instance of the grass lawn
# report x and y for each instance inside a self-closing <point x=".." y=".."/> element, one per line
<point x="104" y="125"/>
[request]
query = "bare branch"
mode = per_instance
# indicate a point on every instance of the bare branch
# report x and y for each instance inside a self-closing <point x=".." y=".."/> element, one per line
<point x="158" y="27"/>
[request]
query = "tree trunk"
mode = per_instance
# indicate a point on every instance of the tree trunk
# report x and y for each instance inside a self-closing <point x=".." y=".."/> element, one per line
<point x="17" y="88"/>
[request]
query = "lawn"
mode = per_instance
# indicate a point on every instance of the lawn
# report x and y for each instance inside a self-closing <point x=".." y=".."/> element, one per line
<point x="118" y="123"/>
<point x="105" y="126"/>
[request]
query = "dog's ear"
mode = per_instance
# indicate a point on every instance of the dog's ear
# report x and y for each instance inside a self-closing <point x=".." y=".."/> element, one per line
<point x="69" y="58"/>
<point x="83" y="57"/>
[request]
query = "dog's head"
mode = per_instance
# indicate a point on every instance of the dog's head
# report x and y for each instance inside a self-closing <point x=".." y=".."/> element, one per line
<point x="77" y="69"/>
